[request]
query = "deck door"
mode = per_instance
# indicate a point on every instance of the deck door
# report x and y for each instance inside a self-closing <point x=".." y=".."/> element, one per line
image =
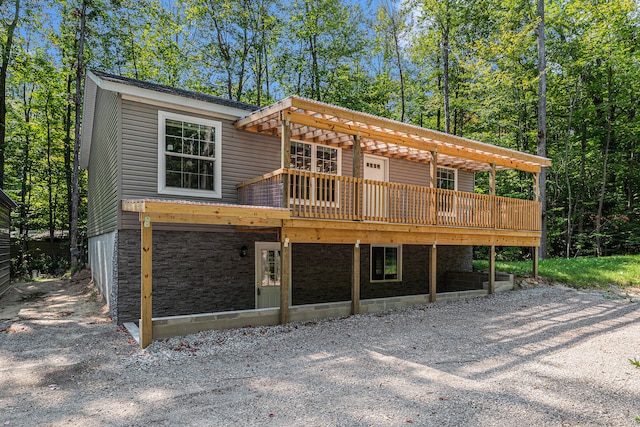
<point x="267" y="274"/>
<point x="376" y="196"/>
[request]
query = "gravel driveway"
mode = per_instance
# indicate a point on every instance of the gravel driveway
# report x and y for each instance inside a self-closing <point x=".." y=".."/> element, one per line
<point x="544" y="356"/>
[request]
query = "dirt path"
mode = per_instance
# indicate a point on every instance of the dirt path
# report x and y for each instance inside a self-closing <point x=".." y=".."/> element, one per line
<point x="546" y="356"/>
<point x="75" y="300"/>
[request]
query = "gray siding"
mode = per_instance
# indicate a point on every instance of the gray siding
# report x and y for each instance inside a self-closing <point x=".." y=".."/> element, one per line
<point x="347" y="162"/>
<point x="5" y="257"/>
<point x="407" y="172"/>
<point x="102" y="193"/>
<point x="466" y="181"/>
<point x="245" y="155"/>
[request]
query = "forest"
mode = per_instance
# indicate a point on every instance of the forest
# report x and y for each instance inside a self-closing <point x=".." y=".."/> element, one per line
<point x="466" y="67"/>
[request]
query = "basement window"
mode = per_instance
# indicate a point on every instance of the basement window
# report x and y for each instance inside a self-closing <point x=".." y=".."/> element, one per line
<point x="386" y="263"/>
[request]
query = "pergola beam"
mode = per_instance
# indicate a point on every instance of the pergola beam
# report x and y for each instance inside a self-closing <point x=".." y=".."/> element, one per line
<point x="455" y="151"/>
<point x="391" y="125"/>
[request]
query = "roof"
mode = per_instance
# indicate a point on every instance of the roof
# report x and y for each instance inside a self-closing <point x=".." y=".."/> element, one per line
<point x="173" y="91"/>
<point x="314" y="121"/>
<point x="151" y="93"/>
<point x="6" y="201"/>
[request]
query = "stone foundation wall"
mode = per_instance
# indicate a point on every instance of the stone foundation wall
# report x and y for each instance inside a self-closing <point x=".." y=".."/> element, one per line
<point x="322" y="273"/>
<point x="196" y="272"/>
<point x="193" y="272"/>
<point x="415" y="274"/>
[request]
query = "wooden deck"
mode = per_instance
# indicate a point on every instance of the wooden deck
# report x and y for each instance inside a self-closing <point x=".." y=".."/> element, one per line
<point x="331" y="197"/>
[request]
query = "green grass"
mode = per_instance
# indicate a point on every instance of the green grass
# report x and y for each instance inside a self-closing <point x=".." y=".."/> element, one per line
<point x="620" y="270"/>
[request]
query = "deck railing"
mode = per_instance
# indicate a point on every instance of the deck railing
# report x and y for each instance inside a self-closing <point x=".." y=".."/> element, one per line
<point x="323" y="196"/>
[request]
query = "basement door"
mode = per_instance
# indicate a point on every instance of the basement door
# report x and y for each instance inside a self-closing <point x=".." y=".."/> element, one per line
<point x="376" y="196"/>
<point x="267" y="274"/>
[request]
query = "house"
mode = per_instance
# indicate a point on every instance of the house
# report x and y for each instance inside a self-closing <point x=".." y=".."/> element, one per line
<point x="208" y="213"/>
<point x="6" y="205"/>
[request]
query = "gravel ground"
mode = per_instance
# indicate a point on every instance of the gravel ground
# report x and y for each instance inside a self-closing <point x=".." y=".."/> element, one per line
<point x="544" y="356"/>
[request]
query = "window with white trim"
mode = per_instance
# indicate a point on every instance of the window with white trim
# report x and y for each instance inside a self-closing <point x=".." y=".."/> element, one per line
<point x="315" y="158"/>
<point x="447" y="178"/>
<point x="386" y="263"/>
<point x="189" y="153"/>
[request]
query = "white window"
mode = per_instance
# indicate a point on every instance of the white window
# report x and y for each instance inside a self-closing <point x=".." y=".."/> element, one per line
<point x="189" y="153"/>
<point x="447" y="178"/>
<point x="386" y="263"/>
<point x="315" y="158"/>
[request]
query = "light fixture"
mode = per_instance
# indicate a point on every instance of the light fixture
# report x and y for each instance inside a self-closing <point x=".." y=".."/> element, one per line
<point x="243" y="251"/>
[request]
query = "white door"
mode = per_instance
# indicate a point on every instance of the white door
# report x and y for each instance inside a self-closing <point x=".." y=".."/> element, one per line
<point x="267" y="274"/>
<point x="376" y="197"/>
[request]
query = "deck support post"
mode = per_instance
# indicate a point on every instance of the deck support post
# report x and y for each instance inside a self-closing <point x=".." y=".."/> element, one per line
<point x="492" y="269"/>
<point x="355" y="279"/>
<point x="285" y="162"/>
<point x="432" y="273"/>
<point x="536" y="250"/>
<point x="285" y="280"/>
<point x="146" y="286"/>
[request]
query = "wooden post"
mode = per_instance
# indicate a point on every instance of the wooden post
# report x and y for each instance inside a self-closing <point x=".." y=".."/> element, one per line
<point x="492" y="270"/>
<point x="355" y="280"/>
<point x="433" y="183"/>
<point x="285" y="280"/>
<point x="432" y="273"/>
<point x="285" y="162"/>
<point x="146" y="288"/>
<point x="434" y="170"/>
<point x="357" y="156"/>
<point x="536" y="250"/>
<point x="492" y="192"/>
<point x="357" y="173"/>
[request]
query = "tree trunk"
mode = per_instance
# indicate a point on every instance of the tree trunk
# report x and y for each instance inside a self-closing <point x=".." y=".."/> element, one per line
<point x="50" y="182"/>
<point x="315" y="71"/>
<point x="605" y="159"/>
<point x="445" y="76"/>
<point x="542" y="125"/>
<point x="583" y="185"/>
<point x="6" y="56"/>
<point x="439" y="112"/>
<point x="567" y="144"/>
<point x="396" y="44"/>
<point x="75" y="198"/>
<point x="67" y="154"/>
<point x="24" y="187"/>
